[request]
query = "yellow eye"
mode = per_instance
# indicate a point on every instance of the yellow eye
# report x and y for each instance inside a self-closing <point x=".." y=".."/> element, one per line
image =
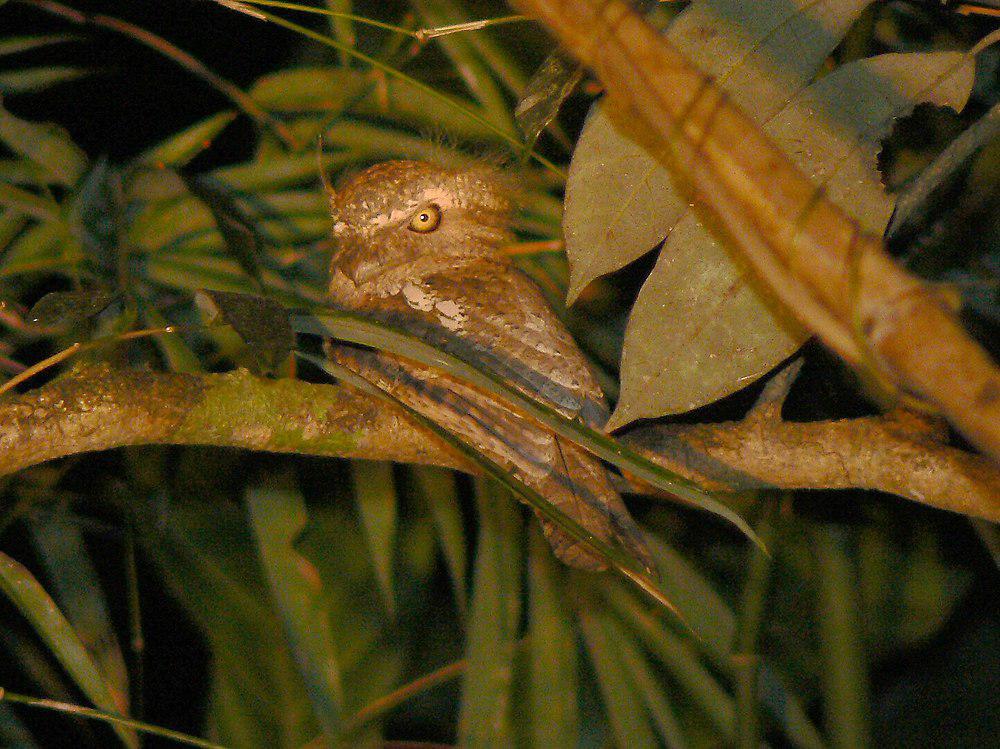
<point x="426" y="220"/>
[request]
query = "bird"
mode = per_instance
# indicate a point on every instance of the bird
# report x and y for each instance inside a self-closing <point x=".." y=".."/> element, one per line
<point x="419" y="246"/>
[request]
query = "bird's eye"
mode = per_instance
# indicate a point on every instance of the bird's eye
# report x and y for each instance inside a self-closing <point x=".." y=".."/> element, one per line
<point x="426" y="220"/>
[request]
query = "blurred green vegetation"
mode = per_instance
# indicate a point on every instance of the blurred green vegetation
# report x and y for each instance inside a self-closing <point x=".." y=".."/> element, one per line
<point x="266" y="601"/>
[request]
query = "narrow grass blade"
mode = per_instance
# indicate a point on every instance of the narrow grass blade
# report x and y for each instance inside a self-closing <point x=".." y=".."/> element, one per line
<point x="375" y="495"/>
<point x="648" y="686"/>
<point x="679" y="658"/>
<point x="76" y="584"/>
<point x="23" y="590"/>
<point x="552" y="656"/>
<point x="512" y="140"/>
<point x="119" y="723"/>
<point x="628" y="721"/>
<point x="485" y="718"/>
<point x="438" y="491"/>
<point x="178" y="150"/>
<point x="15" y="45"/>
<point x="844" y="673"/>
<point x="32" y="80"/>
<point x="45" y="144"/>
<point x="466" y="61"/>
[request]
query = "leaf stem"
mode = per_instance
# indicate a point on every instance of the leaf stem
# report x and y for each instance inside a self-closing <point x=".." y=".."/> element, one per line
<point x="118" y="720"/>
<point x="456" y="28"/>
<point x="331" y="14"/>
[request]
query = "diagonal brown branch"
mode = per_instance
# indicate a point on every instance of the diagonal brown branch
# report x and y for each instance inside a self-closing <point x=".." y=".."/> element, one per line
<point x="97" y="408"/>
<point x="837" y="280"/>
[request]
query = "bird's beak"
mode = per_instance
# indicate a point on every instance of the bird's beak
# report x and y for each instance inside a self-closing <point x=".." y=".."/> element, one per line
<point x="356" y="267"/>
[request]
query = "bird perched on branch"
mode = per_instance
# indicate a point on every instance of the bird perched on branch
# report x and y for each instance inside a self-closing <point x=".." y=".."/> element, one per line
<point x="419" y="247"/>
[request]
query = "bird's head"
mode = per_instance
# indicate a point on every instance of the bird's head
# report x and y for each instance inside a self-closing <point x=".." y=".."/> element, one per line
<point x="400" y="212"/>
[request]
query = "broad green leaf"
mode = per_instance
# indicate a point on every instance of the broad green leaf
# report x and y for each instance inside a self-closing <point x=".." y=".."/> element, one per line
<point x="76" y="584"/>
<point x="230" y="716"/>
<point x="31" y="80"/>
<point x="548" y="88"/>
<point x="438" y="491"/>
<point x="24" y="592"/>
<point x="96" y="214"/>
<point x="11" y="224"/>
<point x="620" y="202"/>
<point x="195" y="274"/>
<point x="45" y="144"/>
<point x="329" y="90"/>
<point x="552" y="656"/>
<point x="280" y="171"/>
<point x="371" y="141"/>
<point x="201" y="550"/>
<point x="699" y="330"/>
<point x="705" y="611"/>
<point x="375" y="495"/>
<point x="187" y="224"/>
<point x="261" y="322"/>
<point x="178" y="355"/>
<point x="178" y="150"/>
<point x="242" y="236"/>
<point x="64" y="308"/>
<point x="621" y="703"/>
<point x="151" y="185"/>
<point x="278" y="517"/>
<point x="310" y="89"/>
<point x="21" y="172"/>
<point x="485" y="719"/>
<point x="35" y="246"/>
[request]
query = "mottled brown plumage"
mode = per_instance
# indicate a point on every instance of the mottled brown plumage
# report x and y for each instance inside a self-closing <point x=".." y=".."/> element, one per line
<point x="418" y="246"/>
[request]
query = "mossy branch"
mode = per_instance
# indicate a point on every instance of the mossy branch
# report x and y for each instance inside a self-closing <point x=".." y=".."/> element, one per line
<point x="96" y="407"/>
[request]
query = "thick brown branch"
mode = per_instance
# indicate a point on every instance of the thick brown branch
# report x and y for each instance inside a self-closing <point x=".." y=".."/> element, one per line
<point x="885" y="453"/>
<point x="97" y="408"/>
<point x="835" y="279"/>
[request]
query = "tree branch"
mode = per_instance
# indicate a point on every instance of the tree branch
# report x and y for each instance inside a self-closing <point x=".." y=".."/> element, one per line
<point x="837" y="280"/>
<point x="97" y="407"/>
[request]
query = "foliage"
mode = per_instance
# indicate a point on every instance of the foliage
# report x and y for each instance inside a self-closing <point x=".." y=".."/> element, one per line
<point x="288" y="602"/>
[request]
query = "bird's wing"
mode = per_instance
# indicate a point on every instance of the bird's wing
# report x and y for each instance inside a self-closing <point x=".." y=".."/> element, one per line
<point x="494" y="317"/>
<point x="568" y="477"/>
